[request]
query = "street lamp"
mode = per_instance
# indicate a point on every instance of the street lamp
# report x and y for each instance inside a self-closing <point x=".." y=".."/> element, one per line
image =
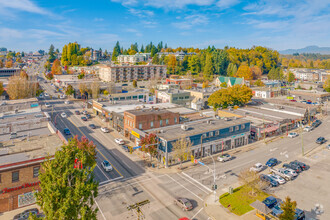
<point x="214" y="187"/>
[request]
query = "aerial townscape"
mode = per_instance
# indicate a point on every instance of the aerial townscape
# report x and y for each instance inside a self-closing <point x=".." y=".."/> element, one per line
<point x="164" y="110"/>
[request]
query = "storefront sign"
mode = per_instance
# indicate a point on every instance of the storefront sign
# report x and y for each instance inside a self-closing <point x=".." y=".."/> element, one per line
<point x="26" y="185"/>
<point x="26" y="199"/>
<point x="135" y="134"/>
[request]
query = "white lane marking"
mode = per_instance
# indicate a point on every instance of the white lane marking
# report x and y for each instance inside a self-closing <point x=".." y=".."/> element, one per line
<point x="111" y="180"/>
<point x="100" y="209"/>
<point x="271" y="150"/>
<point x="242" y="164"/>
<point x="197" y="182"/>
<point x="196" y="213"/>
<point x="102" y="172"/>
<point x="184" y="187"/>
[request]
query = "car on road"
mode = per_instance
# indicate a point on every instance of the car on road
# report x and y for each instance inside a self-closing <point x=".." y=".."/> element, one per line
<point x="269" y="180"/>
<point x="48" y="105"/>
<point x="277" y="178"/>
<point x="83" y="118"/>
<point x="183" y="203"/>
<point x="67" y="102"/>
<point x="66" y="131"/>
<point x="25" y="215"/>
<point x="272" y="162"/>
<point x="125" y="148"/>
<point x="41" y="96"/>
<point x="258" y="167"/>
<point x="301" y="164"/>
<point x="63" y="115"/>
<point x="292" y="167"/>
<point x="320" y="140"/>
<point x="224" y="158"/>
<point x="308" y="128"/>
<point x="292" y="134"/>
<point x="119" y="141"/>
<point x="92" y="126"/>
<point x="317" y="123"/>
<point x="105" y="130"/>
<point x="77" y="112"/>
<point x="88" y="116"/>
<point x="46" y="95"/>
<point x="106" y="166"/>
<point x="299" y="214"/>
<point x="270" y="201"/>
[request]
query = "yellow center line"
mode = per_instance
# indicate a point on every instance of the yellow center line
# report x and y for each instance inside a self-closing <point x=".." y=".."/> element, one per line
<point x="96" y="148"/>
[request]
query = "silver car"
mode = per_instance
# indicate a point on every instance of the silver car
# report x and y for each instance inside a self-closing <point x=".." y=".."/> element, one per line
<point x="184" y="204"/>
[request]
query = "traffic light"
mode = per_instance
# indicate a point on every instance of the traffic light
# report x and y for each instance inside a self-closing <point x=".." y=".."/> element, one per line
<point x="130" y="149"/>
<point x="214" y="187"/>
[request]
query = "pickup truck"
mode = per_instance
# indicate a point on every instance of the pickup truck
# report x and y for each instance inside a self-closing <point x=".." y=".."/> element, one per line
<point x="282" y="173"/>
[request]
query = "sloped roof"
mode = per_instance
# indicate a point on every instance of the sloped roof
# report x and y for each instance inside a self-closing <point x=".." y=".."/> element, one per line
<point x="233" y="80"/>
<point x="261" y="207"/>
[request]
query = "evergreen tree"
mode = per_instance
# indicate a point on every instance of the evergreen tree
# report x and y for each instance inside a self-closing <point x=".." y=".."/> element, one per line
<point x="289" y="208"/>
<point x="220" y="61"/>
<point x="116" y="51"/>
<point x="208" y="69"/>
<point x="155" y="59"/>
<point x="51" y="53"/>
<point x="142" y="49"/>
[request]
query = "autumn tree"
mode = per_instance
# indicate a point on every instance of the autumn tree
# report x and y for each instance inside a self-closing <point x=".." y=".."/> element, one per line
<point x="256" y="72"/>
<point x="9" y="63"/>
<point x="231" y="69"/>
<point x="182" y="149"/>
<point x="56" y="68"/>
<point x="69" y="90"/>
<point x="252" y="180"/>
<point x="259" y="83"/>
<point x="291" y="77"/>
<point x="223" y="85"/>
<point x="83" y="88"/>
<point x="326" y="84"/>
<point x="95" y="88"/>
<point x="149" y="144"/>
<point x="1" y="88"/>
<point x="245" y="72"/>
<point x="1" y="64"/>
<point x="134" y="83"/>
<point x="172" y="64"/>
<point x="289" y="209"/>
<point x="68" y="188"/>
<point x="23" y="74"/>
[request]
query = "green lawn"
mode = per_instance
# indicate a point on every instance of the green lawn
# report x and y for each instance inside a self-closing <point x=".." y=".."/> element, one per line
<point x="240" y="200"/>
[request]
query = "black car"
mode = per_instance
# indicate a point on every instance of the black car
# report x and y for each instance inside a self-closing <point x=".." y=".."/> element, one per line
<point x="294" y="167"/>
<point x="320" y="140"/>
<point x="84" y="118"/>
<point x="88" y="116"/>
<point x="269" y="180"/>
<point x="92" y="126"/>
<point x="25" y="215"/>
<point x="318" y="122"/>
<point x="301" y="164"/>
<point x="77" y="112"/>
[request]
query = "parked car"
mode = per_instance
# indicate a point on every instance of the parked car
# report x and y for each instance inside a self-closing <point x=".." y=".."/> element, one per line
<point x="224" y="158"/>
<point x="106" y="166"/>
<point x="299" y="214"/>
<point x="293" y="167"/>
<point x="62" y="96"/>
<point x="67" y="102"/>
<point x="277" y="210"/>
<point x="308" y="128"/>
<point x="272" y="162"/>
<point x="119" y="141"/>
<point x="83" y="118"/>
<point x="282" y="173"/>
<point x="317" y="122"/>
<point x="270" y="201"/>
<point x="277" y="178"/>
<point x="301" y="164"/>
<point x="41" y="96"/>
<point x="77" y="112"/>
<point x="84" y="112"/>
<point x="47" y="105"/>
<point x="183" y="203"/>
<point x="105" y="130"/>
<point x="66" y="131"/>
<point x="88" y="116"/>
<point x="293" y="100"/>
<point x="46" y="95"/>
<point x="13" y="135"/>
<point x="63" y="115"/>
<point x="92" y="126"/>
<point x="320" y="140"/>
<point x="292" y="134"/>
<point x="292" y="172"/>
<point x="328" y="147"/>
<point x="269" y="180"/>
<point x="25" y="215"/>
<point x="125" y="148"/>
<point x="257" y="167"/>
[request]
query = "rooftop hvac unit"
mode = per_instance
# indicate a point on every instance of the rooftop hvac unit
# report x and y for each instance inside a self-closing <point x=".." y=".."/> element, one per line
<point x="184" y="127"/>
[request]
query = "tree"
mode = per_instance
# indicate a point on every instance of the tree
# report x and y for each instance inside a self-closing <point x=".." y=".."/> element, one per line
<point x="326" y="85"/>
<point x="1" y="64"/>
<point x="289" y="209"/>
<point x="182" y="149"/>
<point x="220" y="61"/>
<point x="116" y="51"/>
<point x="155" y="59"/>
<point x="51" y="54"/>
<point x="259" y="83"/>
<point x="83" y="88"/>
<point x="105" y="92"/>
<point x="172" y="64"/>
<point x="252" y="180"/>
<point x="134" y="83"/>
<point x="208" y="68"/>
<point x="291" y="77"/>
<point x="69" y="90"/>
<point x="149" y="144"/>
<point x="256" y="72"/>
<point x="67" y="182"/>
<point x="223" y="85"/>
<point x="205" y="84"/>
<point x="245" y="72"/>
<point x="1" y="88"/>
<point x="21" y="88"/>
<point x="9" y="63"/>
<point x="95" y="88"/>
<point x="56" y="68"/>
<point x="23" y="74"/>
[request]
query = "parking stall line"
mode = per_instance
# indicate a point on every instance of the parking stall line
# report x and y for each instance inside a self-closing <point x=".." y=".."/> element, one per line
<point x="110" y="180"/>
<point x="196" y="213"/>
<point x="196" y="182"/>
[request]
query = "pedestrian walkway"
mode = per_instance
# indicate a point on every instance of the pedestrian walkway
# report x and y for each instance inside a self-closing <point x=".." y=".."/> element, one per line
<point x="11" y="214"/>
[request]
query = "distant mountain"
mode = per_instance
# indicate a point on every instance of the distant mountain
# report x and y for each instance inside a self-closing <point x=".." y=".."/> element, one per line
<point x="309" y="49"/>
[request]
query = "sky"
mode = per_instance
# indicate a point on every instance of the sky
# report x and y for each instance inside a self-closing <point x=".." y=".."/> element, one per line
<point x="29" y="25"/>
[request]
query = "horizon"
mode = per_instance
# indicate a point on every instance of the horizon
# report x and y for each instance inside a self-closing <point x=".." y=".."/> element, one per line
<point x="30" y="25"/>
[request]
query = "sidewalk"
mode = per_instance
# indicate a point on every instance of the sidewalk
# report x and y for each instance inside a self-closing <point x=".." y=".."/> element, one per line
<point x="10" y="215"/>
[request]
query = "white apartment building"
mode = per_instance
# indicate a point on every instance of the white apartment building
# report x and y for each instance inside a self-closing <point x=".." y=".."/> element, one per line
<point x="139" y="57"/>
<point x="132" y="72"/>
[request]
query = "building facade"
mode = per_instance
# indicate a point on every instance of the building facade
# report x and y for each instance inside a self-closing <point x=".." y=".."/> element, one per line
<point x="174" y="96"/>
<point x="132" y="72"/>
<point x="201" y="96"/>
<point x="8" y="72"/>
<point x="132" y="59"/>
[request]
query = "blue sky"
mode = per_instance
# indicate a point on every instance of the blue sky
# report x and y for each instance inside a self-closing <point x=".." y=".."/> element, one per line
<point x="279" y="24"/>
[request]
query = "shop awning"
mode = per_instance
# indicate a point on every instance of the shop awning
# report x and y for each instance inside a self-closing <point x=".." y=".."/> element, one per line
<point x="270" y="129"/>
<point x="138" y="133"/>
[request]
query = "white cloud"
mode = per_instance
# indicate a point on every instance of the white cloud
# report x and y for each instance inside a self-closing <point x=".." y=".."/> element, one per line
<point x="136" y="32"/>
<point x="191" y="21"/>
<point x="126" y="2"/>
<point x="174" y="4"/>
<point x="98" y="19"/>
<point x="141" y="13"/>
<point x="22" y="5"/>
<point x="224" y="4"/>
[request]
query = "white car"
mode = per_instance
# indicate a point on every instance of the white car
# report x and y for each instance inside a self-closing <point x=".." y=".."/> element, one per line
<point x="119" y="141"/>
<point x="46" y="95"/>
<point x="308" y="128"/>
<point x="66" y="102"/>
<point x="48" y="105"/>
<point x="105" y="130"/>
<point x="224" y="158"/>
<point x="292" y="172"/>
<point x="106" y="166"/>
<point x="257" y="167"/>
<point x="63" y="115"/>
<point x="62" y="96"/>
<point x="292" y="134"/>
<point x="277" y="178"/>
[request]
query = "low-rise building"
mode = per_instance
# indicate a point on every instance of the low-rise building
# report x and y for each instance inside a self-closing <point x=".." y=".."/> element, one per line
<point x="184" y="83"/>
<point x="264" y="92"/>
<point x="8" y="72"/>
<point x="312" y="95"/>
<point x="116" y="73"/>
<point x="174" y="96"/>
<point x="199" y="95"/>
<point x="132" y="59"/>
<point x="230" y="81"/>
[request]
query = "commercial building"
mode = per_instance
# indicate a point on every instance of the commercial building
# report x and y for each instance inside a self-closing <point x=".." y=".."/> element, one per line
<point x="134" y="95"/>
<point x="184" y="83"/>
<point x="144" y="119"/>
<point x="132" y="59"/>
<point x="264" y="92"/>
<point x="207" y="136"/>
<point x="308" y="74"/>
<point x="199" y="95"/>
<point x="174" y="96"/>
<point x="312" y="95"/>
<point x="230" y="81"/>
<point x="118" y="73"/>
<point x="8" y="72"/>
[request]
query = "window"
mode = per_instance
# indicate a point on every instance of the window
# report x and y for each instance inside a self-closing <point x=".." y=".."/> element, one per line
<point x="160" y="123"/>
<point x="15" y="176"/>
<point x="231" y="129"/>
<point x="152" y="124"/>
<point x="211" y="134"/>
<point x="237" y="128"/>
<point x="175" y="120"/>
<point x="243" y="126"/>
<point x="166" y="121"/>
<point x="217" y="133"/>
<point x="204" y="135"/>
<point x="140" y="125"/>
<point x="0" y="178"/>
<point x="36" y="171"/>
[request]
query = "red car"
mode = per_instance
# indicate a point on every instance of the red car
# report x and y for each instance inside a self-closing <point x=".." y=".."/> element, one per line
<point x="293" y="100"/>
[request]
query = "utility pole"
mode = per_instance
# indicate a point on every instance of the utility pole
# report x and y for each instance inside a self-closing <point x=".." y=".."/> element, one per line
<point x="201" y="146"/>
<point x="302" y="143"/>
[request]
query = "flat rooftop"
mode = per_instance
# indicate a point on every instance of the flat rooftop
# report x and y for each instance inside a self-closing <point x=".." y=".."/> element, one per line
<point x="149" y="111"/>
<point x="29" y="148"/>
<point x="196" y="127"/>
<point x="122" y="108"/>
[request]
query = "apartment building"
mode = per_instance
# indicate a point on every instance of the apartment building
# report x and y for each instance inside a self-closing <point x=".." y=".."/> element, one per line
<point x="116" y="73"/>
<point x="132" y="59"/>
